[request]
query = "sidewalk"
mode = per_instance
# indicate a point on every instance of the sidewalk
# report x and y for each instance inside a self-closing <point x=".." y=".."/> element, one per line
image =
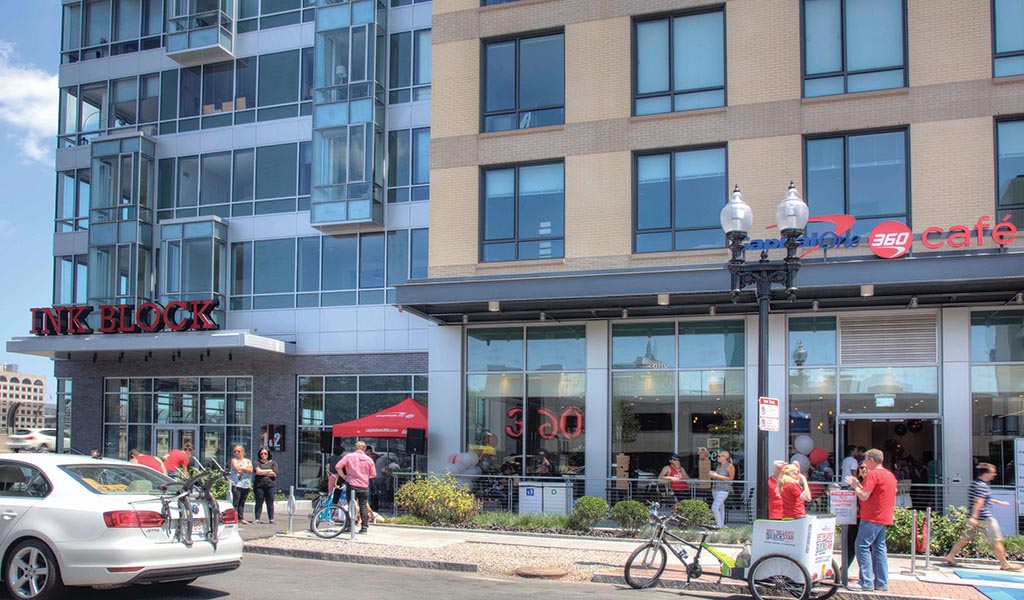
<point x="589" y="559"/>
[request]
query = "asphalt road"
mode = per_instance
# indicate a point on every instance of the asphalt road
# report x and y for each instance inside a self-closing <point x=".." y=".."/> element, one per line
<point x="277" y="577"/>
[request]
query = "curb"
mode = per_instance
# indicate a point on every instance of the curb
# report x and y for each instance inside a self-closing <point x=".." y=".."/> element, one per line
<point x="741" y="588"/>
<point x="412" y="563"/>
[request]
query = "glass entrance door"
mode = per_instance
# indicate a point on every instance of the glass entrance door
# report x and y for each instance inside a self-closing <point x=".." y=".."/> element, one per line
<point x="911" y="448"/>
<point x="168" y="438"/>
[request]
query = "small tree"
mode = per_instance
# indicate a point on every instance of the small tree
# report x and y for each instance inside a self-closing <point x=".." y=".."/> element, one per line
<point x="587" y="512"/>
<point x="437" y="499"/>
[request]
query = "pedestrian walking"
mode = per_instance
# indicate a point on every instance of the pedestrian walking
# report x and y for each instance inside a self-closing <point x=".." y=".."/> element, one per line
<point x="241" y="481"/>
<point x="264" y="483"/>
<point x="723" y="475"/>
<point x="774" y="498"/>
<point x="358" y="469"/>
<point x="178" y="461"/>
<point x="979" y="507"/>
<point x="877" y="495"/>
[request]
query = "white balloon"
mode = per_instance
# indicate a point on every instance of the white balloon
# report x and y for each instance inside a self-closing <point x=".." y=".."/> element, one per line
<point x="467" y="459"/>
<point x="803" y="444"/>
<point x="805" y="463"/>
<point x="474" y="470"/>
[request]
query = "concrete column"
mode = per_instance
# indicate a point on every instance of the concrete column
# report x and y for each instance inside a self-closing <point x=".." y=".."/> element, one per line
<point x="446" y="408"/>
<point x="955" y="460"/>
<point x="597" y="408"/>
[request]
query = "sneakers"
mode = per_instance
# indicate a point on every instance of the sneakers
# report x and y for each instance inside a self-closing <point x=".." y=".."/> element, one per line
<point x="856" y="587"/>
<point x="363" y="530"/>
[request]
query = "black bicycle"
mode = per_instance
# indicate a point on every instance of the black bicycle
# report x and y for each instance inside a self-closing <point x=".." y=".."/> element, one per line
<point x="774" y="576"/>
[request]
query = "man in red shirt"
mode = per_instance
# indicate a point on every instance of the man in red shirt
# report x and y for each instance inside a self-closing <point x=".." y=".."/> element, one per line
<point x="179" y="460"/>
<point x="359" y="470"/>
<point x="774" y="499"/>
<point x="877" y="497"/>
<point x="136" y="456"/>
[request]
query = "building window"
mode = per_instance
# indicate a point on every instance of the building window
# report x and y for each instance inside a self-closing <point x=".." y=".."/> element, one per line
<point x="1010" y="170"/>
<point x="679" y="196"/>
<point x="864" y="175"/>
<point x="409" y="165"/>
<point x="492" y="2"/>
<point x="73" y="200"/>
<point x="1008" y="37"/>
<point x="854" y="46"/>
<point x="524" y="83"/>
<point x="997" y="387"/>
<point x="71" y="279"/>
<point x="409" y="73"/>
<point x="523" y="213"/>
<point x="680" y="62"/>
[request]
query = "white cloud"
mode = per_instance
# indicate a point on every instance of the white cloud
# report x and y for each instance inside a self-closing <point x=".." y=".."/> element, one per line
<point x="28" y="106"/>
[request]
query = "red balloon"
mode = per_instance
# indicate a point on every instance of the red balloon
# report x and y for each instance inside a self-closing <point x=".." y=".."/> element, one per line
<point x="818" y="456"/>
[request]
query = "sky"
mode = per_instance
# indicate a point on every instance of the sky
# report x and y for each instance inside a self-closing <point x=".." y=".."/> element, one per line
<point x="29" y="59"/>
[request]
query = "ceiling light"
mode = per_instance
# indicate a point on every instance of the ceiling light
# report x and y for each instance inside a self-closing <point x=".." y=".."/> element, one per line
<point x="867" y="290"/>
<point x="493" y="306"/>
<point x="814" y="306"/>
<point x="662" y="299"/>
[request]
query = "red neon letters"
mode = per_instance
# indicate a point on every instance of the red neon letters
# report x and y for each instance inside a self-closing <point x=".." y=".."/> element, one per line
<point x="569" y="424"/>
<point x="1003" y="233"/>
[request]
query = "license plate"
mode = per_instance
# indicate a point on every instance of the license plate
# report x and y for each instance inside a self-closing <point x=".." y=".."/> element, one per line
<point x="199" y="528"/>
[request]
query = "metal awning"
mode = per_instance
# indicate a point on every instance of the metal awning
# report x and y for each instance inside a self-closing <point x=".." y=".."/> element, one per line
<point x="948" y="279"/>
<point x="72" y="347"/>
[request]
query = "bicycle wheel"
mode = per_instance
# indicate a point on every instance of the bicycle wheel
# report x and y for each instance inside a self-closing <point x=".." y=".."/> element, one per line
<point x="645" y="565"/>
<point x="827" y="586"/>
<point x="329" y="521"/>
<point x="778" y="577"/>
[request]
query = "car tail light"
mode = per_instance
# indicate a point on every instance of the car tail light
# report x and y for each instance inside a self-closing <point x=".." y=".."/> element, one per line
<point x="30" y="438"/>
<point x="229" y="517"/>
<point x="133" y="519"/>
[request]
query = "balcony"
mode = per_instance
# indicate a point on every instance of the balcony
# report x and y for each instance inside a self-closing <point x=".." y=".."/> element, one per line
<point x="200" y="31"/>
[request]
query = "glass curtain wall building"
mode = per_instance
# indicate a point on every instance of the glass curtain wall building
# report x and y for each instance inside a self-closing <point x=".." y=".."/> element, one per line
<point x="268" y="158"/>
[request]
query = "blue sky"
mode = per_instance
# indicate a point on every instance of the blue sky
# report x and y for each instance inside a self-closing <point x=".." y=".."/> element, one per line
<point x="29" y="58"/>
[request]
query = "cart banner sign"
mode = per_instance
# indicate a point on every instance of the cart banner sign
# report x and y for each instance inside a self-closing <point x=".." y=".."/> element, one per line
<point x="149" y="317"/>
<point x="808" y="540"/>
<point x="768" y="414"/>
<point x="843" y="505"/>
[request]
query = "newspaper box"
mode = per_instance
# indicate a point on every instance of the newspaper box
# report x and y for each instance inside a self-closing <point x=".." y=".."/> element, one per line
<point x="807" y="540"/>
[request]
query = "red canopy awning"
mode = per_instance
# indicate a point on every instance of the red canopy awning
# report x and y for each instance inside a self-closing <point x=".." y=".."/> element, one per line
<point x="391" y="422"/>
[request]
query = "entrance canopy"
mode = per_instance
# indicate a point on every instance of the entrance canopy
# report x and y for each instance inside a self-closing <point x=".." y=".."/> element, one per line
<point x="391" y="422"/>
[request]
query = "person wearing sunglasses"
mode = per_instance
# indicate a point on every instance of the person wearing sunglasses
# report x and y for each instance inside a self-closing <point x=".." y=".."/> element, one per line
<point x="241" y="480"/>
<point x="264" y="483"/>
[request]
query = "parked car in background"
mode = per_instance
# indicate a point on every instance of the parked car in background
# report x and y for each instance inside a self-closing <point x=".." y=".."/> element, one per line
<point x="38" y="440"/>
<point x="77" y="521"/>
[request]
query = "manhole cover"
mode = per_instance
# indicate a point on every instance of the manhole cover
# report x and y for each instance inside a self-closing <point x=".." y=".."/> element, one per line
<point x="541" y="572"/>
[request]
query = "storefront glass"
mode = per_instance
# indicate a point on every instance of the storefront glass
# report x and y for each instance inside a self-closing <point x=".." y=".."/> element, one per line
<point x="997" y="390"/>
<point x="546" y="435"/>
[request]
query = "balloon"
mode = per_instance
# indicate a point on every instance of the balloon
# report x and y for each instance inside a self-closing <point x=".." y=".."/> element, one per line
<point x="474" y="470"/>
<point x="818" y="456"/>
<point x="915" y="425"/>
<point x="900" y="429"/>
<point x="805" y="463"/>
<point x="467" y="459"/>
<point x="803" y="444"/>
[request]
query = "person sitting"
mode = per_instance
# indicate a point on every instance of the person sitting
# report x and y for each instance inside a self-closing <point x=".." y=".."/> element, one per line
<point x="676" y="476"/>
<point x="794" y="491"/>
<point x="774" y="498"/>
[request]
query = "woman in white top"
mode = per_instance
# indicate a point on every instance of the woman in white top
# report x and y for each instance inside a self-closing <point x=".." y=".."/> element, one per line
<point x="241" y="480"/>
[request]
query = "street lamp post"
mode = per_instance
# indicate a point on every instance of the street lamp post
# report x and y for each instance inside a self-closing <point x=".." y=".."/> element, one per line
<point x="737" y="218"/>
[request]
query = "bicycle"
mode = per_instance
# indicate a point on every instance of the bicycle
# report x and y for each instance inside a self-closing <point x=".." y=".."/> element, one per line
<point x="196" y="487"/>
<point x="774" y="576"/>
<point x="328" y="519"/>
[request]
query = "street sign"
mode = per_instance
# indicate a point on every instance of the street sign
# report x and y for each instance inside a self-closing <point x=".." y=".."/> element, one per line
<point x="768" y="414"/>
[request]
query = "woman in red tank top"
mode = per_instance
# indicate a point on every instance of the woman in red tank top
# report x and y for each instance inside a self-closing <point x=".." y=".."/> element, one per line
<point x="676" y="476"/>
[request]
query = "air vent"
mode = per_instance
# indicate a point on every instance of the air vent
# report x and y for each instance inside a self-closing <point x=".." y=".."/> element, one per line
<point x="889" y="340"/>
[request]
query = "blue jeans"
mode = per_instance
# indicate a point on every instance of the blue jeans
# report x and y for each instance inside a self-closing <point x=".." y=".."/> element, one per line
<point x="871" y="556"/>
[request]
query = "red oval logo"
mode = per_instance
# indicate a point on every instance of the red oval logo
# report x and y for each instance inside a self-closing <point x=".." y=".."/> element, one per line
<point x="890" y="239"/>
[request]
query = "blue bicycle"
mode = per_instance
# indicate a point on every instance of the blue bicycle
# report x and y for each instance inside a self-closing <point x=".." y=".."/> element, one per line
<point x="329" y="519"/>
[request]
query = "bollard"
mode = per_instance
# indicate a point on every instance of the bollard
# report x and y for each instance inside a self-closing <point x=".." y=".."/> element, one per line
<point x="352" y="512"/>
<point x="913" y="543"/>
<point x="291" y="508"/>
<point x="928" y="539"/>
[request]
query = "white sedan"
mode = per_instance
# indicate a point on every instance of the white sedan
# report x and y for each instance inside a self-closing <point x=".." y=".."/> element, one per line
<point x="78" y="521"/>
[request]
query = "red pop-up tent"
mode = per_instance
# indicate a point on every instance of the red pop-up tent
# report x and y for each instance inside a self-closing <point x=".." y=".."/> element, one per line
<point x="391" y="422"/>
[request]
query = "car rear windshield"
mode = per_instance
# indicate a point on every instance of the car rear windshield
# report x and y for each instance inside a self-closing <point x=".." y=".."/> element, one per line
<point x="117" y="479"/>
<point x="22" y="432"/>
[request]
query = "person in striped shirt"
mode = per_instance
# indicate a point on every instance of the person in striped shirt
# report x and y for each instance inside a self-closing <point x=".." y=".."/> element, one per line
<point x="979" y="509"/>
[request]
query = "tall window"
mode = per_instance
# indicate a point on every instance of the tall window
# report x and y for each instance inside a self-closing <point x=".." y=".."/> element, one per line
<point x="523" y="213"/>
<point x="864" y="175"/>
<point x="679" y="196"/>
<point x="409" y="165"/>
<point x="409" y="72"/>
<point x="853" y="46"/>
<point x="1008" y="37"/>
<point x="1010" y="170"/>
<point x="524" y="83"/>
<point x="997" y="387"/>
<point x="680" y="62"/>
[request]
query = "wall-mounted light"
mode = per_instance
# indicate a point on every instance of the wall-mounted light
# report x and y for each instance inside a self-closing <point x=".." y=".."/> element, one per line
<point x="465" y="319"/>
<point x="814" y="306"/>
<point x="913" y="302"/>
<point x="712" y="310"/>
<point x="493" y="306"/>
<point x="662" y="299"/>
<point x="867" y="290"/>
<point x="1019" y="298"/>
<point x="543" y="317"/>
<point x="625" y="313"/>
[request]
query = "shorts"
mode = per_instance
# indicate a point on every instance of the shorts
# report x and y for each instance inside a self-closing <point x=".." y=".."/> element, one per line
<point x="990" y="527"/>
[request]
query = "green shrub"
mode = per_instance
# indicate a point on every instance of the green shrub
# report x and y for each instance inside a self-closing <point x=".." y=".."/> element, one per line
<point x="629" y="514"/>
<point x="587" y="512"/>
<point x="946" y="530"/>
<point x="505" y="519"/>
<point x="693" y="513"/>
<point x="437" y="499"/>
<point x="409" y="520"/>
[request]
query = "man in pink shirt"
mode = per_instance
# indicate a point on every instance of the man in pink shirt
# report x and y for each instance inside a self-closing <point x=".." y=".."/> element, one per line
<point x="358" y="469"/>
